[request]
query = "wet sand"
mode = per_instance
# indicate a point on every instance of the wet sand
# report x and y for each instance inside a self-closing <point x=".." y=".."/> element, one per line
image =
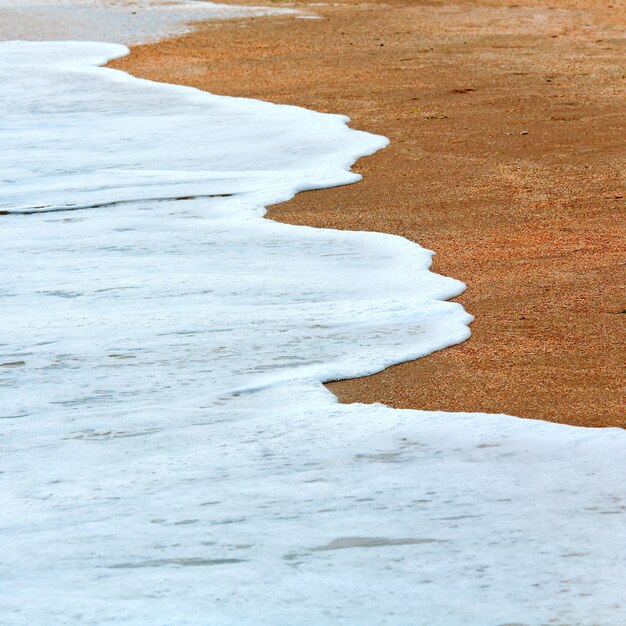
<point x="507" y="158"/>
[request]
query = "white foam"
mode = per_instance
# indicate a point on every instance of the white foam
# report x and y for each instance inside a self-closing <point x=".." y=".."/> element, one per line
<point x="169" y="453"/>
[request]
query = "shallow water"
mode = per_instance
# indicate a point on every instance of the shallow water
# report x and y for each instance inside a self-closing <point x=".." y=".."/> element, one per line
<point x="170" y="455"/>
<point x="115" y="21"/>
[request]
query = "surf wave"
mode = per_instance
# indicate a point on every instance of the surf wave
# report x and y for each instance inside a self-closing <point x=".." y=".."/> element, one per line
<point x="170" y="452"/>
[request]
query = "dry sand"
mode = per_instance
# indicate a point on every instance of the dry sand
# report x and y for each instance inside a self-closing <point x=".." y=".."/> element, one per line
<point x="507" y="123"/>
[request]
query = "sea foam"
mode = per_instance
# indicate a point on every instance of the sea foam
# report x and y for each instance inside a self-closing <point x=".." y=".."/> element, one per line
<point x="170" y="455"/>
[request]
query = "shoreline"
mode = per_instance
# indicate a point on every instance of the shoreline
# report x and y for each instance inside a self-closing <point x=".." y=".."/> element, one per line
<point x="505" y="159"/>
<point x="157" y="459"/>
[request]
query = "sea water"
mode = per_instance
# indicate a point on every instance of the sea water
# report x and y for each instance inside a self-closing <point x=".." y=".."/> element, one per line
<point x="169" y="453"/>
<point x="128" y="21"/>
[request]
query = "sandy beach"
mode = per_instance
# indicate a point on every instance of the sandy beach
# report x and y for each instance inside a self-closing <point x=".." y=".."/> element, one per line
<point x="507" y="158"/>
